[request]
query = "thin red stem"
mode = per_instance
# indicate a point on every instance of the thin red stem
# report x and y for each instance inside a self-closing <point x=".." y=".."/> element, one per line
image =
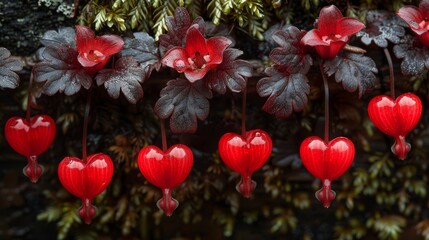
<point x="163" y="136"/>
<point x="30" y="86"/>
<point x="326" y="89"/>
<point x="85" y="125"/>
<point x="391" y="73"/>
<point x="243" y="113"/>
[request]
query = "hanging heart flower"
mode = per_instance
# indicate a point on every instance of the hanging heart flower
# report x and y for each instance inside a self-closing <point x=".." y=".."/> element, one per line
<point x="166" y="170"/>
<point x="327" y="162"/>
<point x="396" y="118"/>
<point x="245" y="155"/>
<point x="86" y="180"/>
<point x="30" y="139"/>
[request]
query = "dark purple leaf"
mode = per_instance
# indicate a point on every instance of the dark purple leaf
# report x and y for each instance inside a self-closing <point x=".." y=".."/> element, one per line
<point x="177" y="26"/>
<point x="415" y="55"/>
<point x="354" y="71"/>
<point x="202" y="26"/>
<point x="286" y="92"/>
<point x="61" y="71"/>
<point x="8" y="67"/>
<point x="230" y="73"/>
<point x="385" y="18"/>
<point x="291" y="54"/>
<point x="212" y="30"/>
<point x="143" y="48"/>
<point x="54" y="38"/>
<point x="125" y="77"/>
<point x="184" y="102"/>
<point x="382" y="26"/>
<point x="268" y="34"/>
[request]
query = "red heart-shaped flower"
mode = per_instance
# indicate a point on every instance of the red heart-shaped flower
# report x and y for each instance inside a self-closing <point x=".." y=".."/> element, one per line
<point x="31" y="139"/>
<point x="166" y="171"/>
<point x="396" y="118"/>
<point x="327" y="161"/>
<point x="86" y="180"/>
<point x="245" y="155"/>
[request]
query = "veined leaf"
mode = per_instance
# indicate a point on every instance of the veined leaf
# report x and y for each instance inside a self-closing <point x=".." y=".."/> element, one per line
<point x="287" y="92"/>
<point x="291" y="54"/>
<point x="61" y="71"/>
<point x="231" y="73"/>
<point x="415" y="55"/>
<point x="8" y="67"/>
<point x="144" y="50"/>
<point x="125" y="77"/>
<point x="177" y="27"/>
<point x="354" y="71"/>
<point x="54" y="38"/>
<point x="184" y="102"/>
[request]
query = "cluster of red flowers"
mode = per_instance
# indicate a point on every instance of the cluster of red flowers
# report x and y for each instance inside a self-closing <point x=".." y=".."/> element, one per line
<point x="326" y="160"/>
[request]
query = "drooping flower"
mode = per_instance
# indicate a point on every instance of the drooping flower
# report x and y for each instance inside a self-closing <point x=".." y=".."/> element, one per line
<point x="198" y="56"/>
<point x="417" y="19"/>
<point x="332" y="33"/>
<point x="94" y="52"/>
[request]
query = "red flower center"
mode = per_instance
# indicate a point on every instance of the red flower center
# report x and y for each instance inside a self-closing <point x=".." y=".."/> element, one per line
<point x="331" y="37"/>
<point x="95" y="56"/>
<point x="424" y="24"/>
<point x="199" y="60"/>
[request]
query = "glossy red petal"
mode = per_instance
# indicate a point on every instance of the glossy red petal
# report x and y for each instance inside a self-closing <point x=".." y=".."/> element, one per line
<point x="348" y="26"/>
<point x="165" y="170"/>
<point x="30" y="138"/>
<point x="312" y="153"/>
<point x="42" y="133"/>
<point x="72" y="177"/>
<point x="412" y="16"/>
<point x="409" y="109"/>
<point x="328" y="18"/>
<point x="424" y="38"/>
<point x="395" y="118"/>
<point x="176" y="58"/>
<point x="339" y="156"/>
<point x="195" y="41"/>
<point x="16" y="133"/>
<point x="84" y="38"/>
<point x="331" y="51"/>
<point x="108" y="44"/>
<point x="86" y="63"/>
<point x="245" y="155"/>
<point x="313" y="38"/>
<point x="86" y="180"/>
<point x="99" y="171"/>
<point x="327" y="161"/>
<point x="195" y="75"/>
<point x="216" y="46"/>
<point x="381" y="113"/>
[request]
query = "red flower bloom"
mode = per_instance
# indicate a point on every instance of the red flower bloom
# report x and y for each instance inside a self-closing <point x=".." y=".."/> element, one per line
<point x="198" y="56"/>
<point x="94" y="52"/>
<point x="417" y="19"/>
<point x="332" y="33"/>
